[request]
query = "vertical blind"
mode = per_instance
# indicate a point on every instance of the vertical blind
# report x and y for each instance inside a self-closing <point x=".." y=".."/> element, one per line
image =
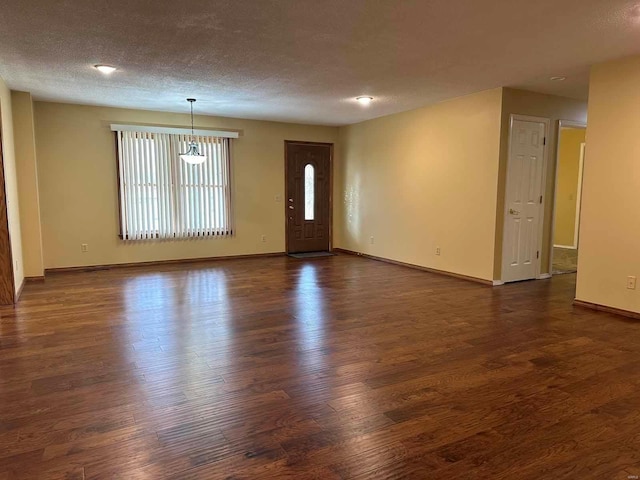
<point x="162" y="196"/>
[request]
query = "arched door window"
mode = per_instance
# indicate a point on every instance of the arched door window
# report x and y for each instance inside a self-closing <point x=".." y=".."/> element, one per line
<point x="309" y="198"/>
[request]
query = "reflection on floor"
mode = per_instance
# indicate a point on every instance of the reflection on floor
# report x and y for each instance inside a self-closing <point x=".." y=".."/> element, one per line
<point x="334" y="368"/>
<point x="565" y="260"/>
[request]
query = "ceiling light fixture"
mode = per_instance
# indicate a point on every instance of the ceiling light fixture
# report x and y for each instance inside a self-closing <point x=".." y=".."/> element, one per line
<point x="106" y="69"/>
<point x="192" y="155"/>
<point x="364" y="100"/>
<point x="558" y="79"/>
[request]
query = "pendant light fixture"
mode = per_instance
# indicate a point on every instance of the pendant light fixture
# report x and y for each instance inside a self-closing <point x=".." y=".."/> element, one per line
<point x="193" y="155"/>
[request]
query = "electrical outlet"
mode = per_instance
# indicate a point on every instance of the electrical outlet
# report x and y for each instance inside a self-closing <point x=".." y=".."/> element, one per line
<point x="631" y="282"/>
<point x="371" y="241"/>
<point x="84" y="248"/>
<point x="437" y="250"/>
<point x="264" y="238"/>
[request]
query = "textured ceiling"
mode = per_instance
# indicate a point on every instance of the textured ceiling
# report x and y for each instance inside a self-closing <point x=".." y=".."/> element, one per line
<point x="305" y="60"/>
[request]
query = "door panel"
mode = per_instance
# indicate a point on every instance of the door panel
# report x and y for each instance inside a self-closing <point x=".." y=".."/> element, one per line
<point x="523" y="201"/>
<point x="307" y="202"/>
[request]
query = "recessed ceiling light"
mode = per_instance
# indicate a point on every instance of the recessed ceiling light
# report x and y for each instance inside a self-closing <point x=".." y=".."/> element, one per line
<point x="364" y="99"/>
<point x="106" y="69"/>
<point x="558" y="79"/>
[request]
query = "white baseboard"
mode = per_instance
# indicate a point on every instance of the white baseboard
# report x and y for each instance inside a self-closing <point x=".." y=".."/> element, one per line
<point x="497" y="283"/>
<point x="567" y="247"/>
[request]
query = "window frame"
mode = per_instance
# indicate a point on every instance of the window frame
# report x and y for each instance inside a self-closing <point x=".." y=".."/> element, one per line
<point x="219" y="234"/>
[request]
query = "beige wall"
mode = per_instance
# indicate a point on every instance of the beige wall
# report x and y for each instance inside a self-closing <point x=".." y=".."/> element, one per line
<point x="78" y="185"/>
<point x="11" y="183"/>
<point x="423" y="179"/>
<point x="609" y="226"/>
<point x="25" y="148"/>
<point x="570" y="144"/>
<point x="521" y="102"/>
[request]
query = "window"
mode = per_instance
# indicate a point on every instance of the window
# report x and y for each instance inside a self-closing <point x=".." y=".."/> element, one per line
<point x="162" y="196"/>
<point x="309" y="194"/>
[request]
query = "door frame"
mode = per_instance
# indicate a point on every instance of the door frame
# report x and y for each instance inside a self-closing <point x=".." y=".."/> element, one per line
<point x="566" y="124"/>
<point x="286" y="183"/>
<point x="543" y="185"/>
<point x="9" y="294"/>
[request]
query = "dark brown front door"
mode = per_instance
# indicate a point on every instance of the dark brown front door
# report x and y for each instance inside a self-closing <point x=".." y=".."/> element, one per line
<point x="307" y="202"/>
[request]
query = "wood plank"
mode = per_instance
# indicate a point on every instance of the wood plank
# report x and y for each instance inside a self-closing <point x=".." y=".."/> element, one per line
<point x="334" y="368"/>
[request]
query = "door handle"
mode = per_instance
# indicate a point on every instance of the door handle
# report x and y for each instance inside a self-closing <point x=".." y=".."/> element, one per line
<point x="514" y="212"/>
<point x="290" y="207"/>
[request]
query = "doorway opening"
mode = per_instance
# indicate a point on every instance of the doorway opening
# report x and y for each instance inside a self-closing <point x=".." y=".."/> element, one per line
<point x="308" y="201"/>
<point x="568" y="196"/>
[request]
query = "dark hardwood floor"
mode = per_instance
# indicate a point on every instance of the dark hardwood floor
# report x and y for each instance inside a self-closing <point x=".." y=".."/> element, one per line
<point x="330" y="368"/>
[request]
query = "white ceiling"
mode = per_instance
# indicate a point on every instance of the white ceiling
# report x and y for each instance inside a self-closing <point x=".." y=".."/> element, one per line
<point x="305" y="60"/>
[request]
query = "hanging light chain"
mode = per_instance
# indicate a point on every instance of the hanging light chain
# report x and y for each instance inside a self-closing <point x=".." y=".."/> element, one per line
<point x="191" y="102"/>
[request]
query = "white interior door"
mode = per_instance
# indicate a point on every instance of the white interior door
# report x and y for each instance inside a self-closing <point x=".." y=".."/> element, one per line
<point x="523" y="201"/>
<point x="576" y="230"/>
